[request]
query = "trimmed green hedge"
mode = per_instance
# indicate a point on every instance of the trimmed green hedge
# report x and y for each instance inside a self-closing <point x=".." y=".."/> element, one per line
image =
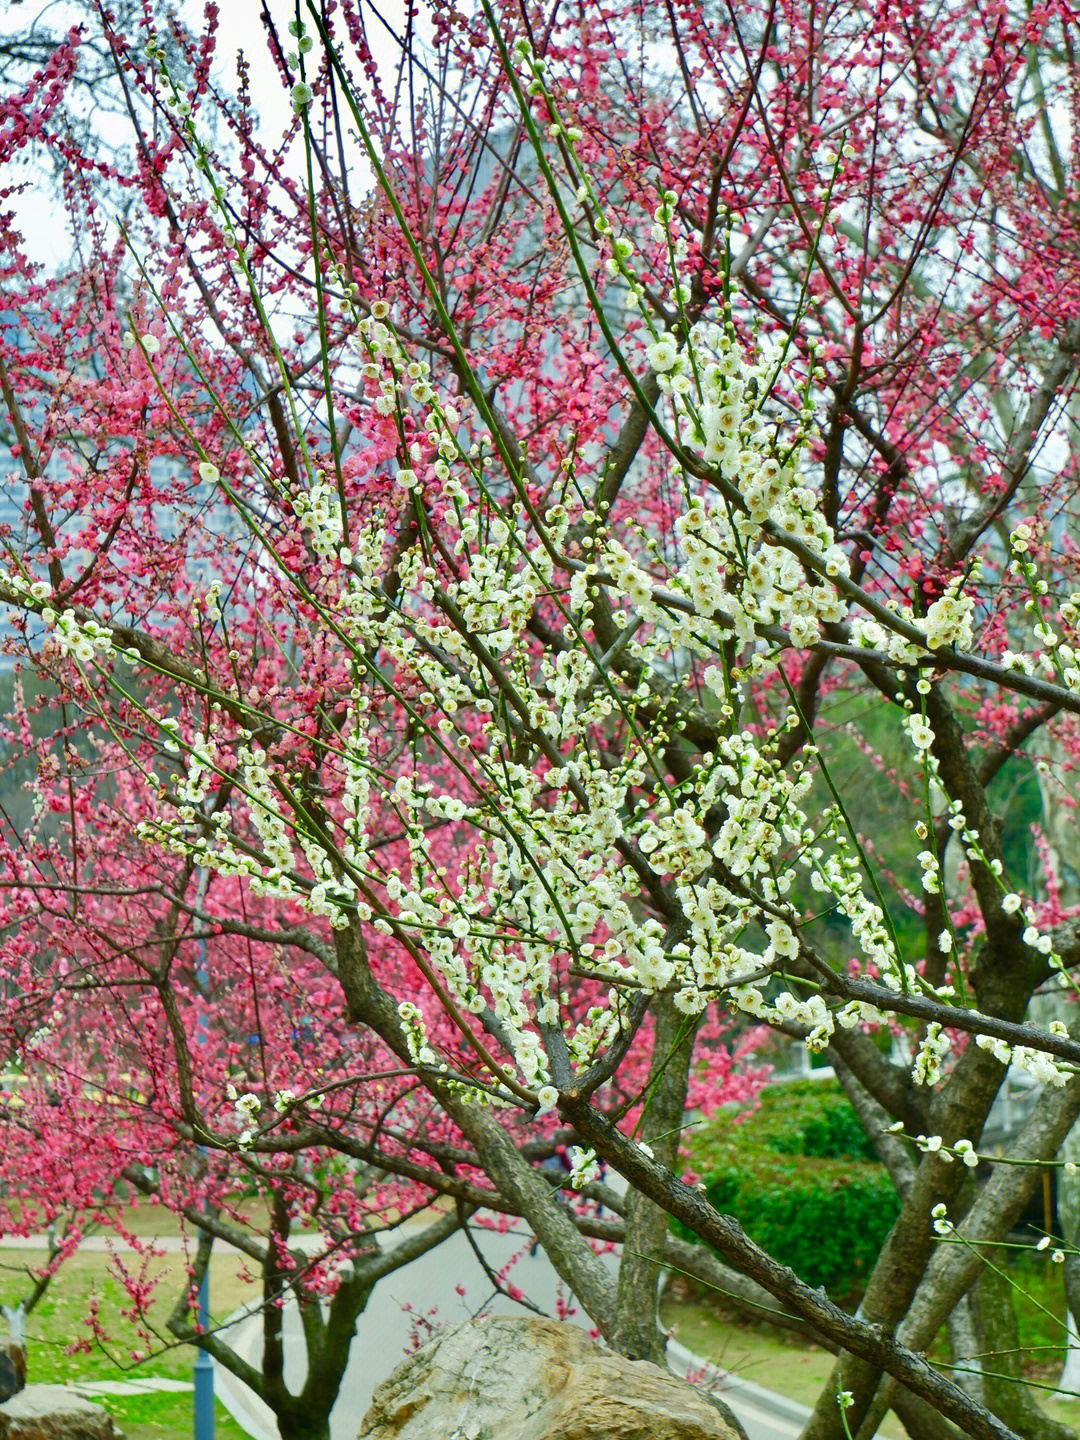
<point x="800" y="1176"/>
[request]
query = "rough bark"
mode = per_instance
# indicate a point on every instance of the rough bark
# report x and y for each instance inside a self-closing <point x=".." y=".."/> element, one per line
<point x="514" y="1177"/>
<point x="865" y="1340"/>
<point x="999" y="1204"/>
<point x="636" y="1329"/>
<point x="999" y="1338"/>
<point x="964" y="1344"/>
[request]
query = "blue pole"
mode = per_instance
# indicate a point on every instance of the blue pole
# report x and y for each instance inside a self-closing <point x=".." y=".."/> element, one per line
<point x="204" y="1370"/>
<point x="204" y="1366"/>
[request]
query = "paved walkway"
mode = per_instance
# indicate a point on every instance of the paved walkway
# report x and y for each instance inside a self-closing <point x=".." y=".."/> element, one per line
<point x="152" y="1384"/>
<point x="104" y="1244"/>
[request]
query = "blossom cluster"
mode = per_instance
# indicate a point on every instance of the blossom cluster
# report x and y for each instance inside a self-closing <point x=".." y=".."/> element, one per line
<point x="556" y="832"/>
<point x="549" y="763"/>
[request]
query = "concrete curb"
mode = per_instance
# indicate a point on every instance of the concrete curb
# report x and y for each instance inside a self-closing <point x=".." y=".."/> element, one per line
<point x="249" y="1412"/>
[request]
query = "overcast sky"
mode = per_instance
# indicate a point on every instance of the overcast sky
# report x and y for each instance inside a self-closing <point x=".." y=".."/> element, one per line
<point x="41" y="217"/>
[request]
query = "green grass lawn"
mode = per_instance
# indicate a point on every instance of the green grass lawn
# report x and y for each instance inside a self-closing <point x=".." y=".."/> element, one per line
<point x="760" y="1353"/>
<point x="164" y="1417"/>
<point x="60" y="1318"/>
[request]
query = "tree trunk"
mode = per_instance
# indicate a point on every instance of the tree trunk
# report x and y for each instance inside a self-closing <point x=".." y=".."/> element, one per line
<point x="1070" y="1374"/>
<point x="303" y="1427"/>
<point x="965" y="1348"/>
<point x="962" y="1110"/>
<point x="636" y="1330"/>
<point x="1059" y="829"/>
<point x="999" y="1339"/>
<point x="995" y="1210"/>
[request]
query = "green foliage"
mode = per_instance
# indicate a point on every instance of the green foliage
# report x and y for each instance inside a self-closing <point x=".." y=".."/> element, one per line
<point x="798" y="1174"/>
<point x="827" y="1130"/>
<point x="849" y="730"/>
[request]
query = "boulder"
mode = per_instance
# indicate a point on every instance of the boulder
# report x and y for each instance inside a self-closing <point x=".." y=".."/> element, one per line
<point x="12" y="1368"/>
<point x="536" y="1379"/>
<point x="53" y="1412"/>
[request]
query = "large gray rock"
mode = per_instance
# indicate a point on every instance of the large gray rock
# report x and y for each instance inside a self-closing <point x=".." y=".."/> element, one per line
<point x="534" y="1379"/>
<point x="52" y="1412"/>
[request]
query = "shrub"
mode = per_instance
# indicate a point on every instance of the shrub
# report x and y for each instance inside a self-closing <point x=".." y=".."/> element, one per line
<point x="797" y="1173"/>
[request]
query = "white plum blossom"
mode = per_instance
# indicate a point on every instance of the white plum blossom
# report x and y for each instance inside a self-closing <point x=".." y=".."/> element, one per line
<point x="919" y="732"/>
<point x="967" y="1153"/>
<point x="932" y="1051"/>
<point x="584" y="1167"/>
<point x="663" y="355"/>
